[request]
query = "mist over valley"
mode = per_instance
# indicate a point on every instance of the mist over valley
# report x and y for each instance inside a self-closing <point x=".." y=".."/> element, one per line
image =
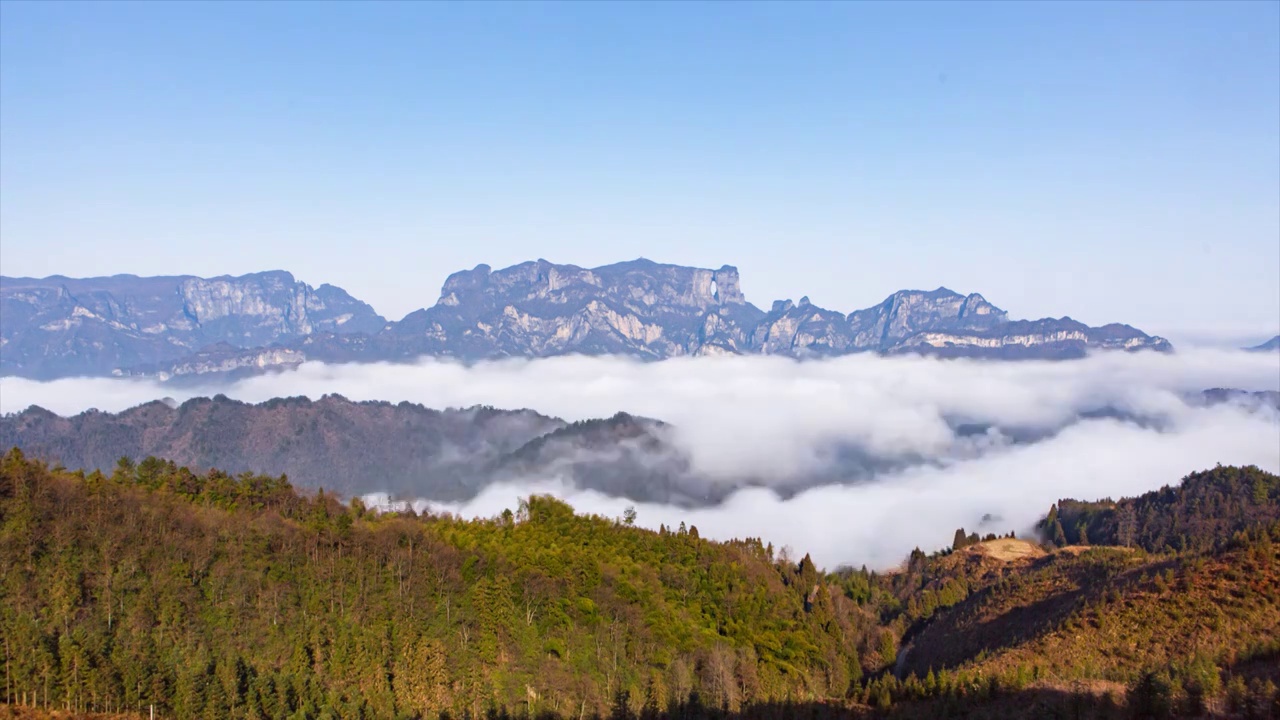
<point x="856" y="459"/>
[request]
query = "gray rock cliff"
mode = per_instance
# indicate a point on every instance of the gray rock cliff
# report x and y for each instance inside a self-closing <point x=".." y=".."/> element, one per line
<point x="639" y="308"/>
<point x="58" y="326"/>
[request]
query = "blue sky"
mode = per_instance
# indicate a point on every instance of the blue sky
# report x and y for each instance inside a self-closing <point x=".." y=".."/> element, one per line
<point x="1109" y="161"/>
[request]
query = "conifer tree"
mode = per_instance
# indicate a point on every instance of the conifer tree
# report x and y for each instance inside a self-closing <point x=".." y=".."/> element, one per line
<point x="1059" y="536"/>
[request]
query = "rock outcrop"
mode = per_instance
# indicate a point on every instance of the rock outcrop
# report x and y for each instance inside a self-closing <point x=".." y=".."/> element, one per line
<point x="805" y="329"/>
<point x="176" y="327"/>
<point x="639" y="308"/>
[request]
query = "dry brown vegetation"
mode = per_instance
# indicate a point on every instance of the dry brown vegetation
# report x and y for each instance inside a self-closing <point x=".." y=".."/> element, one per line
<point x="1009" y="549"/>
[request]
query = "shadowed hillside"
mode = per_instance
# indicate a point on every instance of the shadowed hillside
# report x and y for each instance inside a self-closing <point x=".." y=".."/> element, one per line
<point x="355" y="448"/>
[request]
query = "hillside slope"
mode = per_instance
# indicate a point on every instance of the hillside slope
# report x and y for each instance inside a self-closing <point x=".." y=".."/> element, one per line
<point x="235" y="597"/>
<point x="219" y="596"/>
<point x="1193" y="626"/>
<point x="331" y="442"/>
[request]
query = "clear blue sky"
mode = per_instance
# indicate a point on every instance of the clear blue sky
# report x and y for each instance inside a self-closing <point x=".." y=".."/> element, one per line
<point x="1110" y="161"/>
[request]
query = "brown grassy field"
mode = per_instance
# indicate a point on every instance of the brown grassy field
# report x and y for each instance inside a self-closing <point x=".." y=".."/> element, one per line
<point x="1009" y="549"/>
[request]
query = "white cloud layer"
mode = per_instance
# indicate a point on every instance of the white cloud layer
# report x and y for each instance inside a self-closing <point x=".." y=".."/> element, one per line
<point x="772" y="417"/>
<point x="878" y="523"/>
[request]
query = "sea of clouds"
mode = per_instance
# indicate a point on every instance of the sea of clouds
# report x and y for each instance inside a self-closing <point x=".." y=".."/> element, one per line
<point x="774" y="417"/>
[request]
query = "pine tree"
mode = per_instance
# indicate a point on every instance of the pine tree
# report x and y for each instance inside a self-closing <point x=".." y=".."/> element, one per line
<point x="808" y="574"/>
<point x="1126" y="524"/>
<point x="1059" y="536"/>
<point x="884" y="701"/>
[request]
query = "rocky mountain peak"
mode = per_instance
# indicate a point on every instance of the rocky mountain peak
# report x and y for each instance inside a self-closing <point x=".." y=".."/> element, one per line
<point x="728" y="286"/>
<point x="637" y="284"/>
<point x="462" y="284"/>
<point x="674" y="285"/>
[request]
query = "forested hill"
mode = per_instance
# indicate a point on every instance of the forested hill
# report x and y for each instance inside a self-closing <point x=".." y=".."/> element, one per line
<point x="355" y="448"/>
<point x="1204" y="510"/>
<point x="218" y="596"/>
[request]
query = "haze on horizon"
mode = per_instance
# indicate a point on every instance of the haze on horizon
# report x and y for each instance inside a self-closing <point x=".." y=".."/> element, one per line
<point x="1115" y="162"/>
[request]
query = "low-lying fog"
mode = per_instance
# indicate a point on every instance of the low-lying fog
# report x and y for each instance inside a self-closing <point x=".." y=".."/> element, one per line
<point x="767" y="416"/>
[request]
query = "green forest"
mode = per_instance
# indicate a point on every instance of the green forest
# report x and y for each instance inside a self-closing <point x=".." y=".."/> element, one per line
<point x="219" y="596"/>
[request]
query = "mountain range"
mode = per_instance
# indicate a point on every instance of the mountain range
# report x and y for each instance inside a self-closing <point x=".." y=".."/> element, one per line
<point x="360" y="447"/>
<point x="184" y="325"/>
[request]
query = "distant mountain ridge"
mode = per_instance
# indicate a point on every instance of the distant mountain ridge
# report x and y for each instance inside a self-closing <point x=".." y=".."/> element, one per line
<point x="176" y="326"/>
<point x="360" y="447"/>
<point x="1271" y="345"/>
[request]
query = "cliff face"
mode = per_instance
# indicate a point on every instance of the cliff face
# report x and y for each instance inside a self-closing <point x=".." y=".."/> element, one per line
<point x="638" y="308"/>
<point x="191" y="326"/>
<point x="1048" y="339"/>
<point x="58" y="326"/>
<point x="806" y="329"/>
